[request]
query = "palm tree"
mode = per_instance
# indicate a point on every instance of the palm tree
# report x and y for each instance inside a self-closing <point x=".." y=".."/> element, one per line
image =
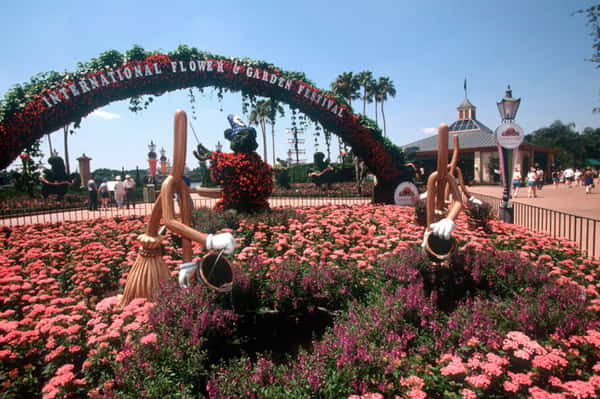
<point x="50" y="144"/>
<point x="366" y="81"/>
<point x="385" y="87"/>
<point x="373" y="92"/>
<point x="66" y="139"/>
<point x="259" y="116"/>
<point x="274" y="109"/>
<point x="346" y="85"/>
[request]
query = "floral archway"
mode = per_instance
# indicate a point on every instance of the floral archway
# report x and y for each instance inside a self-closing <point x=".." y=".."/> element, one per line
<point x="50" y="101"/>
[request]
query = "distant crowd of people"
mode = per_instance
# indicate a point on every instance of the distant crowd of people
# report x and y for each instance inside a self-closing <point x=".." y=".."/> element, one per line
<point x="122" y="191"/>
<point x="535" y="179"/>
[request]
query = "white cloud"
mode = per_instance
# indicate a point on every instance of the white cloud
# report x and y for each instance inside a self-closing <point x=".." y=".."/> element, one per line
<point x="105" y="115"/>
<point x="428" y="130"/>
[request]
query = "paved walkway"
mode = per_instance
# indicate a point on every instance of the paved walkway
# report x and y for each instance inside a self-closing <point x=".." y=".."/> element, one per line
<point x="562" y="198"/>
<point x="543" y="213"/>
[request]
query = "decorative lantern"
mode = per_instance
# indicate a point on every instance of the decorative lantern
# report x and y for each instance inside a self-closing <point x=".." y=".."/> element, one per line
<point x="152" y="159"/>
<point x="163" y="162"/>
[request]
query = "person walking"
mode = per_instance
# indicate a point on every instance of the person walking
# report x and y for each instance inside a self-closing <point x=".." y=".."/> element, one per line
<point x="104" y="194"/>
<point x="92" y="195"/>
<point x="531" y="182"/>
<point x="577" y="176"/>
<point x="588" y="180"/>
<point x="516" y="182"/>
<point x="555" y="178"/>
<point x="539" y="179"/>
<point x="569" y="176"/>
<point x="129" y="192"/>
<point x="119" y="192"/>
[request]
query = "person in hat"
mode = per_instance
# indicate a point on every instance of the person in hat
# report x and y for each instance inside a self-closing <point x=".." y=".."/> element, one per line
<point x="129" y="191"/>
<point x="92" y="195"/>
<point x="119" y="192"/>
<point x="104" y="194"/>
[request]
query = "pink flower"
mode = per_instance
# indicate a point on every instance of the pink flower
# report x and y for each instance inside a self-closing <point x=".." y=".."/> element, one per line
<point x="412" y="381"/>
<point x="550" y="360"/>
<point x="539" y="393"/>
<point x="479" y="380"/>
<point x="520" y="378"/>
<point x="148" y="339"/>
<point x="372" y="396"/>
<point x="468" y="394"/>
<point x="510" y="386"/>
<point x="580" y="389"/>
<point x="455" y="367"/>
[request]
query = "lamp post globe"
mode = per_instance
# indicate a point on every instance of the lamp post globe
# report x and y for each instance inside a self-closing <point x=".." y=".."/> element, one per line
<point x="507" y="108"/>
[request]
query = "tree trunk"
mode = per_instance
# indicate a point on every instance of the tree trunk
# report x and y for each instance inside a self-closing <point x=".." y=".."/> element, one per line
<point x="50" y="143"/>
<point x="365" y="100"/>
<point x="383" y="117"/>
<point x="263" y="128"/>
<point x="66" y="133"/>
<point x="376" y="113"/>
<point x="273" y="141"/>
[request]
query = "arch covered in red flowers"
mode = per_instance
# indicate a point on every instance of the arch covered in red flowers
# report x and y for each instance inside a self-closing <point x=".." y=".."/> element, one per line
<point x="76" y="95"/>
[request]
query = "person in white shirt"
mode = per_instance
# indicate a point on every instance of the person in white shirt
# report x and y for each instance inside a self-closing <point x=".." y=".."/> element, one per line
<point x="569" y="176"/>
<point x="577" y="177"/>
<point x="119" y="192"/>
<point x="92" y="195"/>
<point x="129" y="192"/>
<point x="539" y="178"/>
<point x="516" y="182"/>
<point x="531" y="182"/>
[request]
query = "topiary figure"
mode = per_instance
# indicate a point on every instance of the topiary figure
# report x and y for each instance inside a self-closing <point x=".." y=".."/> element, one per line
<point x="247" y="180"/>
<point x="55" y="180"/>
<point x="324" y="173"/>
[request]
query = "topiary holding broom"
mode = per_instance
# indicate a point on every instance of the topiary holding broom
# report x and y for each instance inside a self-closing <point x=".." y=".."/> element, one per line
<point x="149" y="269"/>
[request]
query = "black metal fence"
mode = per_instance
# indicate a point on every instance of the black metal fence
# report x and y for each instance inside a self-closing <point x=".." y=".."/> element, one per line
<point x="582" y="230"/>
<point x="57" y="214"/>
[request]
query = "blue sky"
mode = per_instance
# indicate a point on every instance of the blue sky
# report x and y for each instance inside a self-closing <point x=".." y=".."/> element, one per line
<point x="427" y="48"/>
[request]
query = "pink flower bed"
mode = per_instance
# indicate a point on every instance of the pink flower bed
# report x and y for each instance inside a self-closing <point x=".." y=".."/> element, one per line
<point x="515" y="316"/>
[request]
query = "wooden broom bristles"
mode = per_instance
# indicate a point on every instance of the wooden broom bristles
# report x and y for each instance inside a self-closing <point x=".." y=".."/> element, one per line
<point x="148" y="271"/>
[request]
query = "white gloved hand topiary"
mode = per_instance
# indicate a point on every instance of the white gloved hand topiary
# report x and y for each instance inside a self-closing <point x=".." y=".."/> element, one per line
<point x="185" y="271"/>
<point x="443" y="228"/>
<point x="475" y="201"/>
<point x="221" y="241"/>
<point x="423" y="196"/>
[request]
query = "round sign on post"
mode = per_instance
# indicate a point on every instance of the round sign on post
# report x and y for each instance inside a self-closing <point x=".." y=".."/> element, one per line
<point x="406" y="194"/>
<point x="510" y="135"/>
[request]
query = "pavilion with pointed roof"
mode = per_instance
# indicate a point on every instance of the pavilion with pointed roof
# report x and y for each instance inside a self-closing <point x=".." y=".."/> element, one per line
<point x="478" y="151"/>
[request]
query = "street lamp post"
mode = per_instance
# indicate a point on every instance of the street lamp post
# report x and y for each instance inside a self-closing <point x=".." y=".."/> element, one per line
<point x="509" y="135"/>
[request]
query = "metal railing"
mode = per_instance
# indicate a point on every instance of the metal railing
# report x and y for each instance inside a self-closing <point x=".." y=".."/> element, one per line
<point x="71" y="213"/>
<point x="582" y="230"/>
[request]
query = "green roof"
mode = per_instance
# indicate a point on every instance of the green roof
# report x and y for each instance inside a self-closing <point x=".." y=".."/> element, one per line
<point x="471" y="133"/>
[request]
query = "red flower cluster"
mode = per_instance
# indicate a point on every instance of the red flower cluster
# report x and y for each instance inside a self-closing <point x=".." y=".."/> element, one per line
<point x="247" y="181"/>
